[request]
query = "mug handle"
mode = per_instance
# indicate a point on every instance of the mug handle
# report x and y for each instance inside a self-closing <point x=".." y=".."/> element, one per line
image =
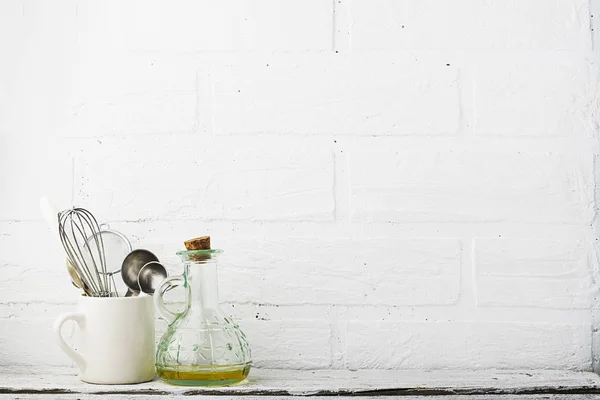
<point x="165" y="285"/>
<point x="76" y="356"/>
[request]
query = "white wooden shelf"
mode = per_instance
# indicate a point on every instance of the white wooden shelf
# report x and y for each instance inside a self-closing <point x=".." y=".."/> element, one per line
<point x="62" y="383"/>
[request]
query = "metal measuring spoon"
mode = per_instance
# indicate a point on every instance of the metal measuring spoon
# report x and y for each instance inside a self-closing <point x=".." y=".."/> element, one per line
<point x="131" y="267"/>
<point x="150" y="276"/>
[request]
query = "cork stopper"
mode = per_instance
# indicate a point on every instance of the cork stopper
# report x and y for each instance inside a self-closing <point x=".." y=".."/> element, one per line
<point x="199" y="243"/>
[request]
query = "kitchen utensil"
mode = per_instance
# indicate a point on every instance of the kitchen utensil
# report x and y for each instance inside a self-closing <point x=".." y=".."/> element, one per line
<point x="131" y="266"/>
<point x="116" y="343"/>
<point x="202" y="345"/>
<point x="150" y="276"/>
<point x="76" y="279"/>
<point x="50" y="214"/>
<point x="116" y="248"/>
<point x="75" y="226"/>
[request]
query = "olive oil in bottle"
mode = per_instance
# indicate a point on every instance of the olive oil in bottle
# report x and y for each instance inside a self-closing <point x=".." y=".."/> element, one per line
<point x="203" y="375"/>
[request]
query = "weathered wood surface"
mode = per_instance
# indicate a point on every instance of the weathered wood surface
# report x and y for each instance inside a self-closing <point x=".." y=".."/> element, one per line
<point x="170" y="397"/>
<point x="31" y="383"/>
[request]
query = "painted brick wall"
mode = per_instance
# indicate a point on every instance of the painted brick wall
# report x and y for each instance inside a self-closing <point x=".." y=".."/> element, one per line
<point x="397" y="183"/>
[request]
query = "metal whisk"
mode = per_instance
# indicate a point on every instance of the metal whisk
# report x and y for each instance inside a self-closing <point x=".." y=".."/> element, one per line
<point x="79" y="234"/>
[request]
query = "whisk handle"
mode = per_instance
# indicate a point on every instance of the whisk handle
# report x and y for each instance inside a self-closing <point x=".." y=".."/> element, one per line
<point x="76" y="356"/>
<point x="159" y="303"/>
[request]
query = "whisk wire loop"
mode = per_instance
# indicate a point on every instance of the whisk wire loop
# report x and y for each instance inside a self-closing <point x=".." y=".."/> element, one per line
<point x="76" y="227"/>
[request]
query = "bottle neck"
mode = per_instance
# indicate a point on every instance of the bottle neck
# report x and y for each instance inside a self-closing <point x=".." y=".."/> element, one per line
<point x="203" y="285"/>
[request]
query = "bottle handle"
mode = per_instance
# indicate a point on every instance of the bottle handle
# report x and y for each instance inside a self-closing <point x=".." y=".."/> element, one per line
<point x="159" y="304"/>
<point x="76" y="356"/>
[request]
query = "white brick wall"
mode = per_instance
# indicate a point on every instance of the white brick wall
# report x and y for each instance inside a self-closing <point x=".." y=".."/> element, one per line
<point x="397" y="184"/>
<point x="479" y="345"/>
<point x="325" y="94"/>
<point x="470" y="25"/>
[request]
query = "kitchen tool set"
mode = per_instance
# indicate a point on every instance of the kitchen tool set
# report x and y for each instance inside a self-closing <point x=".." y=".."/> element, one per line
<point x="201" y="347"/>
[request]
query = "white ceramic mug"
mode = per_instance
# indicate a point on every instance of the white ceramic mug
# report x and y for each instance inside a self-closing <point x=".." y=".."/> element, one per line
<point x="117" y="339"/>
